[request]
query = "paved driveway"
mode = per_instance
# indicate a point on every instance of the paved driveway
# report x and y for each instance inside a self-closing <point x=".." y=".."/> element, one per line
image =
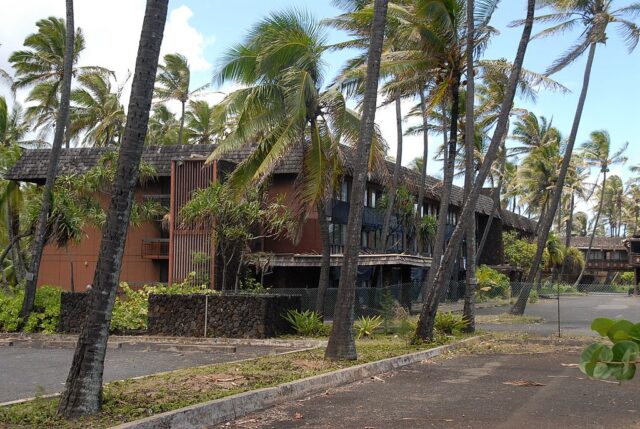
<point x="466" y="392"/>
<point x="25" y="371"/>
<point x="576" y="313"/>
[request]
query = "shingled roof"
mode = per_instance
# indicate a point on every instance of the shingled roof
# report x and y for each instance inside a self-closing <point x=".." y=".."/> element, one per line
<point x="599" y="243"/>
<point x="32" y="167"/>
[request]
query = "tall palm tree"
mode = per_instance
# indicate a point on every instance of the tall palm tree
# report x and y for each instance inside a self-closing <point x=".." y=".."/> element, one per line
<point x="41" y="66"/>
<point x="424" y="329"/>
<point x="282" y="107"/>
<point x="83" y="389"/>
<point x="97" y="111"/>
<point x="632" y="207"/>
<point x="174" y="77"/>
<point x="163" y="127"/>
<point x="594" y="17"/>
<point x="62" y="121"/>
<point x="614" y="195"/>
<point x="341" y="342"/>
<point x="597" y="153"/>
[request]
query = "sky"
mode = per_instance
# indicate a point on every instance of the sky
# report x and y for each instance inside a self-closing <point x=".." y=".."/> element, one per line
<point x="203" y="30"/>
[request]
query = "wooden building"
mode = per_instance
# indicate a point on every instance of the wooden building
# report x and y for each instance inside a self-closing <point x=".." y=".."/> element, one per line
<point x="157" y="253"/>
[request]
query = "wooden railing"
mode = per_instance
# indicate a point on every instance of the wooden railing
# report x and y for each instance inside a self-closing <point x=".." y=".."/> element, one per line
<point x="155" y="248"/>
<point x="608" y="264"/>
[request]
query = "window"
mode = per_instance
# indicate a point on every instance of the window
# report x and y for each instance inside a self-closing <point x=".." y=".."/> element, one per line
<point x="344" y="191"/>
<point x="337" y="233"/>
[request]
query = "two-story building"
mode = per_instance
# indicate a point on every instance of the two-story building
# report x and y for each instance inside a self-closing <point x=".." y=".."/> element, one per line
<point x="156" y="253"/>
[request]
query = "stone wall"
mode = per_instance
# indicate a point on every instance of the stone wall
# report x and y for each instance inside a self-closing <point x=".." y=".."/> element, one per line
<point x="230" y="316"/>
<point x="73" y="310"/>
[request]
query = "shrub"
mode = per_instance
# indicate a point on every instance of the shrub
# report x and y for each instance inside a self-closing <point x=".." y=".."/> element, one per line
<point x="306" y="323"/>
<point x="533" y="296"/>
<point x="558" y="287"/>
<point x="387" y="309"/>
<point x="625" y="278"/>
<point x="491" y="284"/>
<point x="366" y="326"/>
<point x="518" y="253"/>
<point x="130" y="309"/>
<point x="44" y="317"/>
<point x="450" y="323"/>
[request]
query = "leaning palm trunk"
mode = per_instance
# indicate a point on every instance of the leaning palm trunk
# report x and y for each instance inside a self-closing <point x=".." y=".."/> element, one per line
<point x="52" y="170"/>
<point x="13" y="231"/>
<point x="181" y="130"/>
<point x="469" y="310"/>
<point x="341" y="342"/>
<point x="425" y="157"/>
<point x="391" y="192"/>
<point x="325" y="265"/>
<point x="431" y="295"/>
<point x="427" y="316"/>
<point x="595" y="227"/>
<point x="83" y="389"/>
<point x="547" y="220"/>
<point x="495" y="206"/>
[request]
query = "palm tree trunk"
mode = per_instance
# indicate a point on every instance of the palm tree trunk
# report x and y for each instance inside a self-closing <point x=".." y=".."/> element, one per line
<point x="52" y="169"/>
<point x="424" y="330"/>
<point x="83" y="389"/>
<point x="546" y="222"/>
<point x="391" y="191"/>
<point x="71" y="276"/>
<point x="325" y="265"/>
<point x="425" y="160"/>
<point x="495" y="208"/>
<point x="469" y="308"/>
<point x="13" y="230"/>
<point x="430" y="293"/>
<point x="595" y="227"/>
<point x="181" y="123"/>
<point x="341" y="342"/>
<point x="569" y="224"/>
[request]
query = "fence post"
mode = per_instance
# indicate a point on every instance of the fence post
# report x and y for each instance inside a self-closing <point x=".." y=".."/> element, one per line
<point x="206" y="313"/>
<point x="558" y="289"/>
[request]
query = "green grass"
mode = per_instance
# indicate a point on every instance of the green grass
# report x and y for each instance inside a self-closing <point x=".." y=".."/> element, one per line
<point x="135" y="399"/>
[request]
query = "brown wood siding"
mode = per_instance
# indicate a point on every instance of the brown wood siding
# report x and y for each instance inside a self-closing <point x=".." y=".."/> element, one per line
<point x="188" y="176"/>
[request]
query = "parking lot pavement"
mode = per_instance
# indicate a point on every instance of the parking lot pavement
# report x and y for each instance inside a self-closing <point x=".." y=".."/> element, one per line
<point x="27" y="371"/>
<point x="475" y="391"/>
<point x="576" y="313"/>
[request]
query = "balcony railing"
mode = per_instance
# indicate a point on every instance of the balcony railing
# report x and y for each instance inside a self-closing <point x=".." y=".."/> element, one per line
<point x="155" y="248"/>
<point x="607" y="264"/>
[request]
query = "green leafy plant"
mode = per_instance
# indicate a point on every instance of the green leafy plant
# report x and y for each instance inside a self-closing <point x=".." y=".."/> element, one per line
<point x="387" y="306"/>
<point x="617" y="361"/>
<point x="306" y="323"/>
<point x="130" y="309"/>
<point x="533" y="296"/>
<point x="450" y="323"/>
<point x="491" y="283"/>
<point x="366" y="326"/>
<point x="43" y="319"/>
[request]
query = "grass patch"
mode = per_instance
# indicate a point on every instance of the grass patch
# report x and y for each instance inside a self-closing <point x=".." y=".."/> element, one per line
<point x="135" y="399"/>
<point x="508" y="319"/>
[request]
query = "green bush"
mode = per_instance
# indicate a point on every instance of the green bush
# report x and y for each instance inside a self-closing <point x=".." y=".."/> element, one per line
<point x="306" y="323"/>
<point x="450" y="323"/>
<point x="44" y="317"/>
<point x="565" y="288"/>
<point x="625" y="278"/>
<point x="366" y="326"/>
<point x="533" y="296"/>
<point x="130" y="309"/>
<point x="491" y="284"/>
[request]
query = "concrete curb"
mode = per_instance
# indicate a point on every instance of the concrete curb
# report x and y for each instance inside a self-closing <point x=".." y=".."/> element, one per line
<point x="232" y="407"/>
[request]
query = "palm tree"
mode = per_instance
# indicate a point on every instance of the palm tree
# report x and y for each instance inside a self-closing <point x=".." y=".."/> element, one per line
<point x="163" y="127"/>
<point x="614" y="195"/>
<point x="424" y="329"/>
<point x="52" y="169"/>
<point x="632" y="207"/>
<point x="83" y="389"/>
<point x="202" y="123"/>
<point x="97" y="111"/>
<point x="282" y="108"/>
<point x="173" y="81"/>
<point x="41" y="66"/>
<point x="597" y="153"/>
<point x="341" y="342"/>
<point x="594" y="16"/>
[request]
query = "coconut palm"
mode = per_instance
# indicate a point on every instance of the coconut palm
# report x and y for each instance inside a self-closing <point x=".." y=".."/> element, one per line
<point x="202" y="123"/>
<point x="593" y="18"/>
<point x="83" y="389"/>
<point x="283" y="107"/>
<point x="597" y="153"/>
<point x="40" y="66"/>
<point x="614" y="196"/>
<point x="97" y="111"/>
<point x="427" y="315"/>
<point x="172" y="83"/>
<point x="632" y="207"/>
<point x="62" y="122"/>
<point x="163" y="127"/>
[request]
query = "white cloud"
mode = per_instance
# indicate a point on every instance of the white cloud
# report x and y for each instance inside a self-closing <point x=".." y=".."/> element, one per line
<point x="180" y="36"/>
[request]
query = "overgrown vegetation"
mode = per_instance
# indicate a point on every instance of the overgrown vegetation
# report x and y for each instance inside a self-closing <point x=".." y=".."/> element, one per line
<point x="366" y="326"/>
<point x="491" y="284"/>
<point x="43" y="319"/>
<point x="306" y="323"/>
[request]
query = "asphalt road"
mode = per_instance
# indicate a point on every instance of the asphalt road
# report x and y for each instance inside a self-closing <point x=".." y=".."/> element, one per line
<point x="465" y="392"/>
<point x="25" y="371"/>
<point x="576" y="313"/>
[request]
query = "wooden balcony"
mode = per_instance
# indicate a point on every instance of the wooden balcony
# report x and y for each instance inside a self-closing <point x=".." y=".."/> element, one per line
<point x="155" y="248"/>
<point x="608" y="264"/>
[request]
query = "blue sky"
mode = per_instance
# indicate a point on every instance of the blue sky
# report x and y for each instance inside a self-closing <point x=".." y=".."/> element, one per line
<point x="204" y="29"/>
